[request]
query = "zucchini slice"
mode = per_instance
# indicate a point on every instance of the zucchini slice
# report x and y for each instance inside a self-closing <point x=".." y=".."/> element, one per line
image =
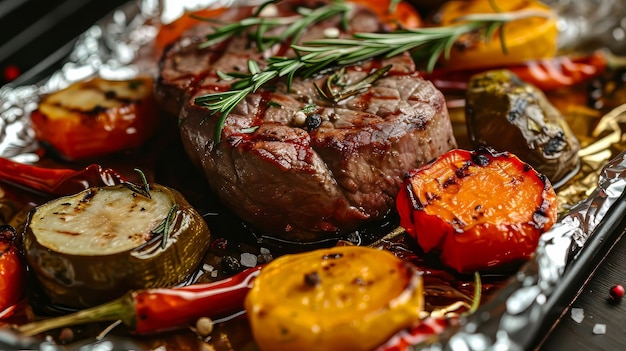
<point x="94" y="246"/>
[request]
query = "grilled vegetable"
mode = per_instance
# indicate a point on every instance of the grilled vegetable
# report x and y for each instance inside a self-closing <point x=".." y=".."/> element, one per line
<point x="526" y="39"/>
<point x="150" y="311"/>
<point x="98" y="244"/>
<point x="343" y="298"/>
<point x="12" y="272"/>
<point x="96" y="118"/>
<point x="506" y="113"/>
<point x="545" y="74"/>
<point x="478" y="210"/>
<point x="56" y="181"/>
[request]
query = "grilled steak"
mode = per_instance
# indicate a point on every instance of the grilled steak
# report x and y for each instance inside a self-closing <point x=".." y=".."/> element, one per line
<point x="292" y="164"/>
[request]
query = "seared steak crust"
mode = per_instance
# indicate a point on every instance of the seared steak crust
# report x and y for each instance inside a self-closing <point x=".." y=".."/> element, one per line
<point x="294" y="165"/>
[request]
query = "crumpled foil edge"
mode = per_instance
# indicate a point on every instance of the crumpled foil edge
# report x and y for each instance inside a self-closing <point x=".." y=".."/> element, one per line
<point x="115" y="47"/>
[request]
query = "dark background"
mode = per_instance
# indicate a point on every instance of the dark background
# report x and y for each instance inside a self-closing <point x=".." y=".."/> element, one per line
<point x="38" y="33"/>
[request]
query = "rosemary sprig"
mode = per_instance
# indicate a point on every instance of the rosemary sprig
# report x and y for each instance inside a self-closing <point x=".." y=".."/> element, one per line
<point x="328" y="93"/>
<point x="425" y="44"/>
<point x="296" y="25"/>
<point x="144" y="189"/>
<point x="164" y="227"/>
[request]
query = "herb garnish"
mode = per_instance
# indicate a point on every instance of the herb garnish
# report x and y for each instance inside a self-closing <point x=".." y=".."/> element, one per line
<point x="144" y="189"/>
<point x="426" y="44"/>
<point x="328" y="93"/>
<point x="164" y="227"/>
<point x="296" y="25"/>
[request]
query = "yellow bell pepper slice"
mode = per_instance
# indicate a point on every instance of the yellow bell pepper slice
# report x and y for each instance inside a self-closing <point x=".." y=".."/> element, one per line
<point x="342" y="298"/>
<point x="525" y="39"/>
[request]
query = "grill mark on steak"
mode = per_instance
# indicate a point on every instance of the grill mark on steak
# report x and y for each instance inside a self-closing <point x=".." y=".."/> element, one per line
<point x="307" y="185"/>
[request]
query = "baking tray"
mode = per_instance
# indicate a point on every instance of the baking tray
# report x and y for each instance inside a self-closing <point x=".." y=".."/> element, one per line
<point x="520" y="313"/>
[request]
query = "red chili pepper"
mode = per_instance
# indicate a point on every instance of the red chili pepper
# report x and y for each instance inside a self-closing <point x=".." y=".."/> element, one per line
<point x="545" y="74"/>
<point x="156" y="310"/>
<point x="12" y="272"/>
<point x="56" y="181"/>
<point x="164" y="309"/>
<point x="417" y="334"/>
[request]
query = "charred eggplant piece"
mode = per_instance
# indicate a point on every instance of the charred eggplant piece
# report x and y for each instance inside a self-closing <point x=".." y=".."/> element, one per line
<point x="94" y="246"/>
<point x="507" y="114"/>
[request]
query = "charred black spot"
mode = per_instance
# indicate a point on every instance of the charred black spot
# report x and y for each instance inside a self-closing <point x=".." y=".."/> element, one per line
<point x="463" y="171"/>
<point x="66" y="204"/>
<point x="88" y="195"/>
<point x="313" y="121"/>
<point x="449" y="181"/>
<point x="481" y="160"/>
<point x="555" y="145"/>
<point x="518" y="106"/>
<point x="328" y="266"/>
<point x="312" y="279"/>
<point x="97" y="110"/>
<point x="432" y="196"/>
<point x="478" y="207"/>
<point x="110" y="94"/>
<point x="527" y="167"/>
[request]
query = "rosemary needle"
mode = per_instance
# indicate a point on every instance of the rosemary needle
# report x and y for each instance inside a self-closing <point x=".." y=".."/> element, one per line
<point x="426" y="44"/>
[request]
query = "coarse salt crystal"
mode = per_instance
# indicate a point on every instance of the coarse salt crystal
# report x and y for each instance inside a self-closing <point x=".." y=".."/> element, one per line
<point x="248" y="259"/>
<point x="578" y="314"/>
<point x="599" y="329"/>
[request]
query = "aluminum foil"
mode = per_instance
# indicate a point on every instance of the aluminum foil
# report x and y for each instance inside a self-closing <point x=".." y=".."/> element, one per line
<point x="120" y="46"/>
<point x="591" y="24"/>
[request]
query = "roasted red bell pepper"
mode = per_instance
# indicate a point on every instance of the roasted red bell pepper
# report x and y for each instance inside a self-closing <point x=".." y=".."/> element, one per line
<point x="478" y="210"/>
<point x="56" y="181"/>
<point x="155" y="310"/>
<point x="12" y="271"/>
<point x="546" y="74"/>
<point x="96" y="118"/>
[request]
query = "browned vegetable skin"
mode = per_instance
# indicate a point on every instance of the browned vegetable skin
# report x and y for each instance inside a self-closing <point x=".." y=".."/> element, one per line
<point x="96" y="245"/>
<point x="480" y="210"/>
<point x="507" y="114"/>
<point x="343" y="298"/>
